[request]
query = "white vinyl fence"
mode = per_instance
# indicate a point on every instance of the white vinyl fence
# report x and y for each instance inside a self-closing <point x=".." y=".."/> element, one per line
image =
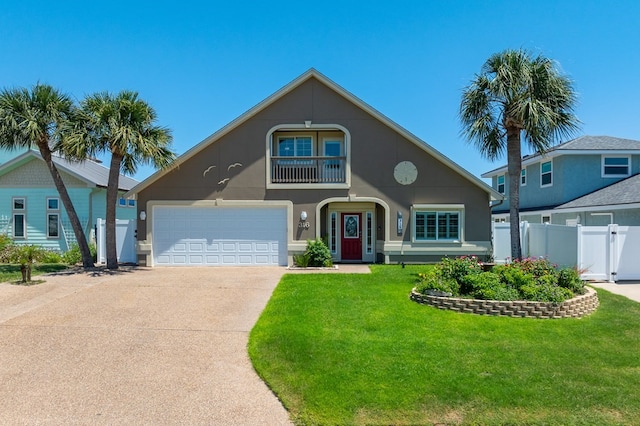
<point x="125" y="241"/>
<point x="608" y="253"/>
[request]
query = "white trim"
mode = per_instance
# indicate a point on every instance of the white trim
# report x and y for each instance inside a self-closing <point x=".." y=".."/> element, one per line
<point x="602" y="159"/>
<point x="49" y="209"/>
<point x="504" y="183"/>
<point x="146" y="247"/>
<point x="315" y="127"/>
<point x="19" y="212"/>
<point x="524" y="169"/>
<point x="547" y="185"/>
<point x="49" y="214"/>
<point x="438" y="208"/>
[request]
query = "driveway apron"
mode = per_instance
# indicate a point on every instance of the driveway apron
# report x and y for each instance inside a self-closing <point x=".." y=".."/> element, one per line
<point x="139" y="346"/>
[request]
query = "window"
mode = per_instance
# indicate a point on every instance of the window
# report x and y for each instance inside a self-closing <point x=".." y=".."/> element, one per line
<point x="615" y="166"/>
<point x="19" y="207"/>
<point x="523" y="177"/>
<point x="122" y="202"/>
<point x="500" y="184"/>
<point x="546" y="219"/>
<point x="295" y="146"/>
<point x="546" y="174"/>
<point x="53" y="218"/>
<point x="53" y="225"/>
<point x="437" y="225"/>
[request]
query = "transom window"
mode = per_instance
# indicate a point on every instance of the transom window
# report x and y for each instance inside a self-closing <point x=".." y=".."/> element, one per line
<point x="615" y="166"/>
<point x="546" y="173"/>
<point x="437" y="225"/>
<point x="500" y="184"/>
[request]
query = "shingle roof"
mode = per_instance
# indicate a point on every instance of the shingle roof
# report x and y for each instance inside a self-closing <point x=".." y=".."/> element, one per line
<point x="94" y="172"/>
<point x="89" y="171"/>
<point x="626" y="191"/>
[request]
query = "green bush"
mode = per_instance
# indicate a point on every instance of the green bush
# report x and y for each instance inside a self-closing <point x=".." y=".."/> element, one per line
<point x="25" y="255"/>
<point x="51" y="256"/>
<point x="527" y="279"/>
<point x="488" y="286"/>
<point x="432" y="280"/>
<point x="73" y="255"/>
<point x="459" y="267"/>
<point x="5" y="241"/>
<point x="317" y="254"/>
<point x="570" y="279"/>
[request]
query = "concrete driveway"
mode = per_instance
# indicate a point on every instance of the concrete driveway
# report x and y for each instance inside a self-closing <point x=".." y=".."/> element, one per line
<point x="141" y="346"/>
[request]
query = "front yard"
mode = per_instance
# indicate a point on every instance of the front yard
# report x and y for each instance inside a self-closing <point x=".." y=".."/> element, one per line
<point x="353" y="349"/>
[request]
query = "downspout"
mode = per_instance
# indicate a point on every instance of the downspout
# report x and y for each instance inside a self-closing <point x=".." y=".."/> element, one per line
<point x="90" y="219"/>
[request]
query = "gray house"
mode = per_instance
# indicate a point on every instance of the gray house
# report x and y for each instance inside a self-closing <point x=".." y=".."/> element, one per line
<point x="311" y="160"/>
<point x="590" y="180"/>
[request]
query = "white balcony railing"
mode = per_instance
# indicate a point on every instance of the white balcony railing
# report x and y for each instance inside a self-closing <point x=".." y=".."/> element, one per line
<point x="308" y="169"/>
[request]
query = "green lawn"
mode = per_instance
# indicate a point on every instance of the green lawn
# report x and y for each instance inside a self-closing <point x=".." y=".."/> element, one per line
<point x="353" y="349"/>
<point x="11" y="273"/>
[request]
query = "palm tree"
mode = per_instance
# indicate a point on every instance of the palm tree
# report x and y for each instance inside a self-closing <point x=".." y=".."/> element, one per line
<point x="517" y="96"/>
<point x="36" y="117"/>
<point x="122" y="125"/>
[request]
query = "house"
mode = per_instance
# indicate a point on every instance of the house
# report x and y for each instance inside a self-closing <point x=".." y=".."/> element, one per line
<point x="590" y="180"/>
<point x="311" y="160"/>
<point x="31" y="211"/>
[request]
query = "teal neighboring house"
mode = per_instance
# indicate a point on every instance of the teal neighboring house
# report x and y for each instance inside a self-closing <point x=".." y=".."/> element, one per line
<point x="31" y="211"/>
<point x="590" y="180"/>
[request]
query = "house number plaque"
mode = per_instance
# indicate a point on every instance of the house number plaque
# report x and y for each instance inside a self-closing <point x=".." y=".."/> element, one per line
<point x="303" y="225"/>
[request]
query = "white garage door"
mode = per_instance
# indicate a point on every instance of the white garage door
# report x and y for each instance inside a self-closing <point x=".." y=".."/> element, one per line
<point x="219" y="236"/>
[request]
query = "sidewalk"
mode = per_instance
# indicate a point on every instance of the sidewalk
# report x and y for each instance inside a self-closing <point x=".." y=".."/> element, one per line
<point x="630" y="289"/>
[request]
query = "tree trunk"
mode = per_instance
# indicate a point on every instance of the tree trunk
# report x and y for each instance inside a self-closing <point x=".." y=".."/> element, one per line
<point x="23" y="271"/>
<point x="514" y="169"/>
<point x="45" y="152"/>
<point x="110" y="221"/>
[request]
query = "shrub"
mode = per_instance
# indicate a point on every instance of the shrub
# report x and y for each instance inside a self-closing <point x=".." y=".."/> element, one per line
<point x="51" y="256"/>
<point x="488" y="286"/>
<point x="73" y="255"/>
<point x="459" y="267"/>
<point x="317" y="254"/>
<point x="545" y="292"/>
<point x="432" y="280"/>
<point x="570" y="279"/>
<point x="23" y="254"/>
<point x="5" y="241"/>
<point x="537" y="267"/>
<point x="513" y="277"/>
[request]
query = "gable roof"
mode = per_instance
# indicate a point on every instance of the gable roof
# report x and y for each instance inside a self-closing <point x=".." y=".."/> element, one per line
<point x="581" y="145"/>
<point x="309" y="74"/>
<point x="626" y="191"/>
<point x="89" y="171"/>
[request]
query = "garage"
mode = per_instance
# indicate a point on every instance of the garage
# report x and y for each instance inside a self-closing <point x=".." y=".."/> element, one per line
<point x="219" y="236"/>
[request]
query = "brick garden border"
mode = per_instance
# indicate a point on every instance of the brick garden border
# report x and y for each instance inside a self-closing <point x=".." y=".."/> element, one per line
<point x="577" y="307"/>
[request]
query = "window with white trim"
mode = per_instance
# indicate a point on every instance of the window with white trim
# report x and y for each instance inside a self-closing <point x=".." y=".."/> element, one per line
<point x="437" y="224"/>
<point x="19" y="214"/>
<point x="616" y="166"/>
<point x="53" y="218"/>
<point x="546" y="173"/>
<point x="523" y="177"/>
<point x="295" y="146"/>
<point x="369" y="232"/>
<point x="123" y="202"/>
<point x="500" y="184"/>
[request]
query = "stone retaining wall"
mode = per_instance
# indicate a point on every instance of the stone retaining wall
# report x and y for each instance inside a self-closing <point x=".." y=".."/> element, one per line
<point x="577" y="307"/>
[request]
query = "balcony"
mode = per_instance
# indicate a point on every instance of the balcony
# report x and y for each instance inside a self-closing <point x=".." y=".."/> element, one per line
<point x="308" y="169"/>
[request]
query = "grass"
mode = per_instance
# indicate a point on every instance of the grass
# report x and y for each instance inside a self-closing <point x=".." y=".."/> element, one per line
<point x="353" y="349"/>
<point x="11" y="273"/>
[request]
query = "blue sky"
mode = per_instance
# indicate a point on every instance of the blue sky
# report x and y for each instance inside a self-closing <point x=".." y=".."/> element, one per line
<point x="202" y="64"/>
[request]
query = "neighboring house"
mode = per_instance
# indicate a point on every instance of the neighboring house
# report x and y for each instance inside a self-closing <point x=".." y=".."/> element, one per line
<point x="31" y="211"/>
<point x="590" y="180"/>
<point x="311" y="160"/>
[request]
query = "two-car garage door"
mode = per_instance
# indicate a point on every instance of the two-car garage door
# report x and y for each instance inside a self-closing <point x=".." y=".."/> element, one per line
<point x="217" y="236"/>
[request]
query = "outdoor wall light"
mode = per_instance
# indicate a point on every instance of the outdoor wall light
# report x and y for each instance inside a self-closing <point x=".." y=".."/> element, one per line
<point x="143" y="215"/>
<point x="307" y="123"/>
<point x="303" y="215"/>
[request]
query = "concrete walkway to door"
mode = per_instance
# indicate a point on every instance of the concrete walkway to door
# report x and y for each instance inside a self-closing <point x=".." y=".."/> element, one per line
<point x="139" y="346"/>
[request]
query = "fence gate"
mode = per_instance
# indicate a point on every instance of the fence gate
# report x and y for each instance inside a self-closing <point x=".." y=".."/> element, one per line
<point x="125" y="241"/>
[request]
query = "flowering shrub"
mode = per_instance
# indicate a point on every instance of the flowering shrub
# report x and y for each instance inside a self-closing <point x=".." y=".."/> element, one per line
<point x="526" y="279"/>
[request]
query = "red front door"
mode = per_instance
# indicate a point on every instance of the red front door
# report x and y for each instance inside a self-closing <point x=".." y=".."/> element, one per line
<point x="351" y="236"/>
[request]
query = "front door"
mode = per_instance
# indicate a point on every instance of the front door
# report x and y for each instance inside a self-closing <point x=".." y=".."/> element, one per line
<point x="351" y="236"/>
